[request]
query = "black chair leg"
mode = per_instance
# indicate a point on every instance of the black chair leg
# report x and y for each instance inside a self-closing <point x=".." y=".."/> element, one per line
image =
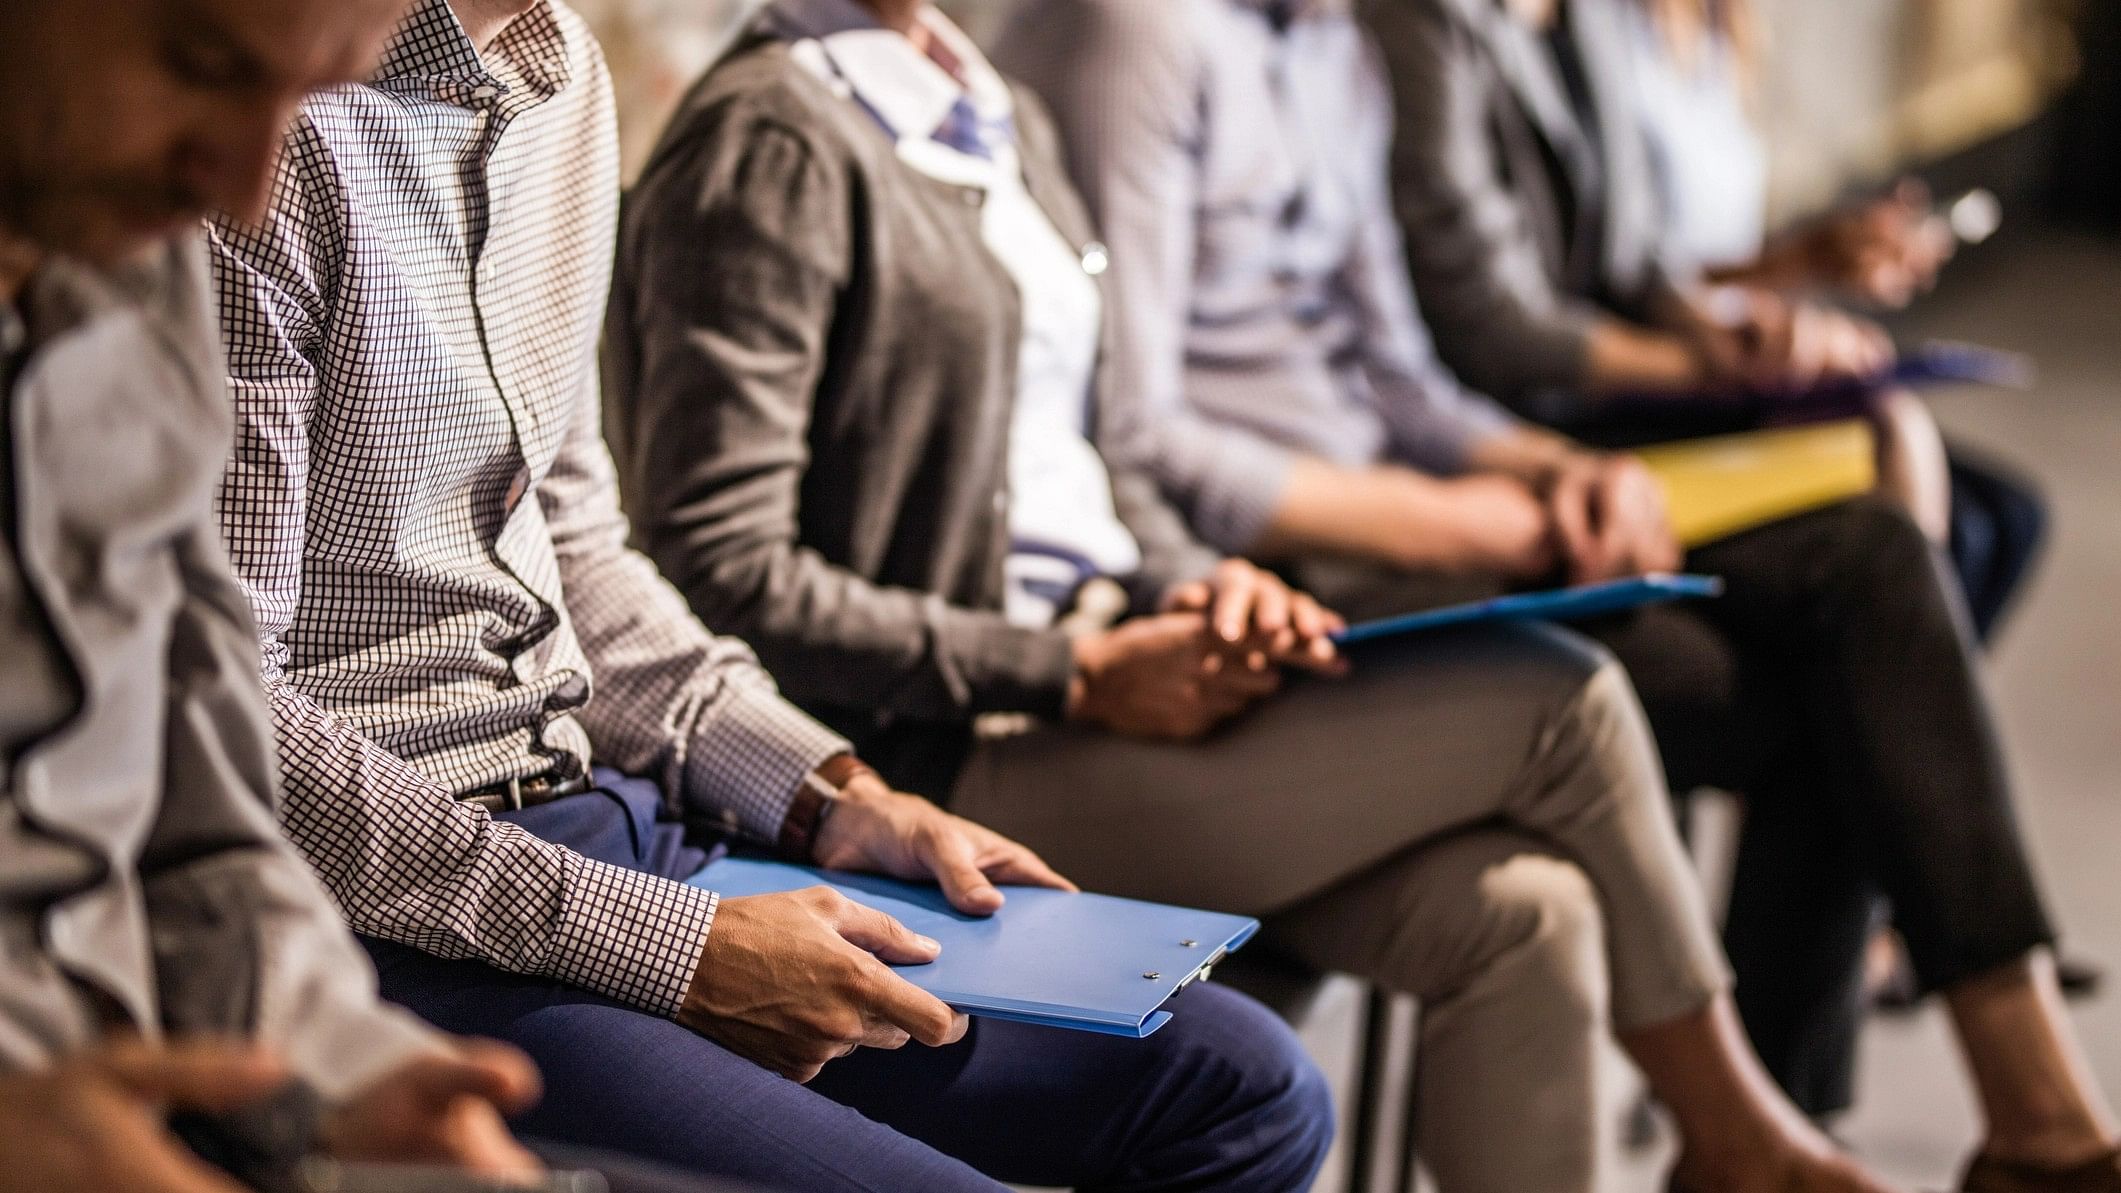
<point x="1370" y="1089"/>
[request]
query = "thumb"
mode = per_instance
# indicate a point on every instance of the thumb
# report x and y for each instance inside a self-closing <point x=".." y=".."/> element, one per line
<point x="209" y="1075"/>
<point x="482" y="1069"/>
<point x="950" y="858"/>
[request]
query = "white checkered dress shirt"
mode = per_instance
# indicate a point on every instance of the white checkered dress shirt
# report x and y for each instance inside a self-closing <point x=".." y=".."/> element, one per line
<point x="425" y="516"/>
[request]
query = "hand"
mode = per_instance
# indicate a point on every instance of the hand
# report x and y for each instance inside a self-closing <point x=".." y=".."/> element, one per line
<point x="1796" y="345"/>
<point x="877" y="829"/>
<point x="1253" y="609"/>
<point x="94" y="1123"/>
<point x="1167" y="677"/>
<point x="1502" y="526"/>
<point x="441" y="1110"/>
<point x="1609" y="515"/>
<point x="794" y="981"/>
<point x="1885" y="251"/>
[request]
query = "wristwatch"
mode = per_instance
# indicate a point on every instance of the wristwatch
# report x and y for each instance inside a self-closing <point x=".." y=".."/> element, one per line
<point x="815" y="800"/>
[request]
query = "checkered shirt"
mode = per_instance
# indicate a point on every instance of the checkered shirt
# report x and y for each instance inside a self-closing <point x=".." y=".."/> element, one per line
<point x="426" y="518"/>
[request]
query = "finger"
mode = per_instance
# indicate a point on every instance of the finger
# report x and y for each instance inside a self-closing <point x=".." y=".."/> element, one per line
<point x="1271" y="611"/>
<point x="1246" y="683"/>
<point x="210" y="1075"/>
<point x="882" y="1036"/>
<point x="1016" y="865"/>
<point x="478" y="1140"/>
<point x="481" y="1069"/>
<point x="947" y="852"/>
<point x="1233" y="602"/>
<point x="872" y="931"/>
<point x="1190" y="597"/>
<point x="901" y="1004"/>
<point x="1309" y="617"/>
<point x="512" y="1081"/>
<point x="1572" y="522"/>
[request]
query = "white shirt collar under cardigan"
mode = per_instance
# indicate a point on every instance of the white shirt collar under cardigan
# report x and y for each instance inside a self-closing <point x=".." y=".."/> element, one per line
<point x="908" y="91"/>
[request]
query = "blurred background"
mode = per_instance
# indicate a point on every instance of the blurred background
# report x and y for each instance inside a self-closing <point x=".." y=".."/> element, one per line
<point x="2020" y="96"/>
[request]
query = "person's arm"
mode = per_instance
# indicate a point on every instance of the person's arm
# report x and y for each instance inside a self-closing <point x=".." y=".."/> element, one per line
<point x="405" y="860"/>
<point x="1498" y="317"/>
<point x="735" y="253"/>
<point x="1122" y="80"/>
<point x="690" y="709"/>
<point x="247" y="942"/>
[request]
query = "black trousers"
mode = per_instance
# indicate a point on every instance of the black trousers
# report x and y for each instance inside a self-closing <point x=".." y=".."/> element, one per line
<point x="1835" y="688"/>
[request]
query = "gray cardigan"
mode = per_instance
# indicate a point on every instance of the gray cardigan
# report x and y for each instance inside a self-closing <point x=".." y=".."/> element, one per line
<point x="812" y="362"/>
<point x="1520" y="223"/>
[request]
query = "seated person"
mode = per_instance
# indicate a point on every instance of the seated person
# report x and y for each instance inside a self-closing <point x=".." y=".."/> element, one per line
<point x="1691" y="77"/>
<point x="1542" y="249"/>
<point x="854" y="350"/>
<point x="162" y="947"/>
<point x="457" y="642"/>
<point x="1288" y="394"/>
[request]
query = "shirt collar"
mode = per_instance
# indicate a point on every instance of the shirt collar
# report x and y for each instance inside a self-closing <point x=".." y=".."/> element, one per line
<point x="904" y="87"/>
<point x="430" y="48"/>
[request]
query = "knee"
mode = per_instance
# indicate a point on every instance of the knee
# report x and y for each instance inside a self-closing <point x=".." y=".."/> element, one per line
<point x="1541" y="934"/>
<point x="1267" y="1103"/>
<point x="1878" y="537"/>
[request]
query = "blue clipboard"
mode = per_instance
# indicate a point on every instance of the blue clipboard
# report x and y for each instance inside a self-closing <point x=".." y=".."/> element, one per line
<point x="1088" y="962"/>
<point x="1557" y="604"/>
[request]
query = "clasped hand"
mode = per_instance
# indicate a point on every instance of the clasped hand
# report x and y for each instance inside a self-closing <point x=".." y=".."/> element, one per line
<point x="1218" y="646"/>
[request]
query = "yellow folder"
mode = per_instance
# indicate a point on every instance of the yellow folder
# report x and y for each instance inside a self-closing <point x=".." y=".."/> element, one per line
<point x="1717" y="487"/>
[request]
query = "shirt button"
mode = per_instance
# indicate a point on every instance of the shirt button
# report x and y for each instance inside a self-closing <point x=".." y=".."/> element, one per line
<point x="484" y="92"/>
<point x="1096" y="259"/>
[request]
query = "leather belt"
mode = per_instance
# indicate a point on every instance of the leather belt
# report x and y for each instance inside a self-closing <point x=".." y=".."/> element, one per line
<point x="518" y="794"/>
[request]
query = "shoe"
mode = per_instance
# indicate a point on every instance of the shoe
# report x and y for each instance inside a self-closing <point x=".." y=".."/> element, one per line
<point x="2099" y="1175"/>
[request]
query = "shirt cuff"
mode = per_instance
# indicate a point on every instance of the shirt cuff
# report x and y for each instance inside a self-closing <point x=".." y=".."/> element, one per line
<point x="1236" y="490"/>
<point x="631" y="936"/>
<point x="750" y="756"/>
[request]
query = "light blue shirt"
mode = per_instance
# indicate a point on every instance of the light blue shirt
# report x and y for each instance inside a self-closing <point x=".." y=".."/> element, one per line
<point x="1234" y="153"/>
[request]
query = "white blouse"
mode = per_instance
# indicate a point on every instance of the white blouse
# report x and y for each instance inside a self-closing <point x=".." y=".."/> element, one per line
<point x="1062" y="523"/>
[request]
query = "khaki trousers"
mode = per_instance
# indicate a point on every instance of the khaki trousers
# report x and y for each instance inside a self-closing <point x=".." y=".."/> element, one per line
<point x="1476" y="818"/>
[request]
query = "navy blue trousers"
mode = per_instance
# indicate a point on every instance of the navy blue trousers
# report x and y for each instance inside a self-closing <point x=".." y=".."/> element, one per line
<point x="1222" y="1098"/>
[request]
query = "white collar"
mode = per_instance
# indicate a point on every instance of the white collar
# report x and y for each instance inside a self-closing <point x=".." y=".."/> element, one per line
<point x="905" y="87"/>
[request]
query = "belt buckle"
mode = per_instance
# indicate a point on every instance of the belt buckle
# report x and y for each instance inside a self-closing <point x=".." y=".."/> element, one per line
<point x="512" y="795"/>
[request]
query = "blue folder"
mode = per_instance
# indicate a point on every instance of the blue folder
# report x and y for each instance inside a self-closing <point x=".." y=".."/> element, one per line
<point x="1557" y="604"/>
<point x="1089" y="962"/>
